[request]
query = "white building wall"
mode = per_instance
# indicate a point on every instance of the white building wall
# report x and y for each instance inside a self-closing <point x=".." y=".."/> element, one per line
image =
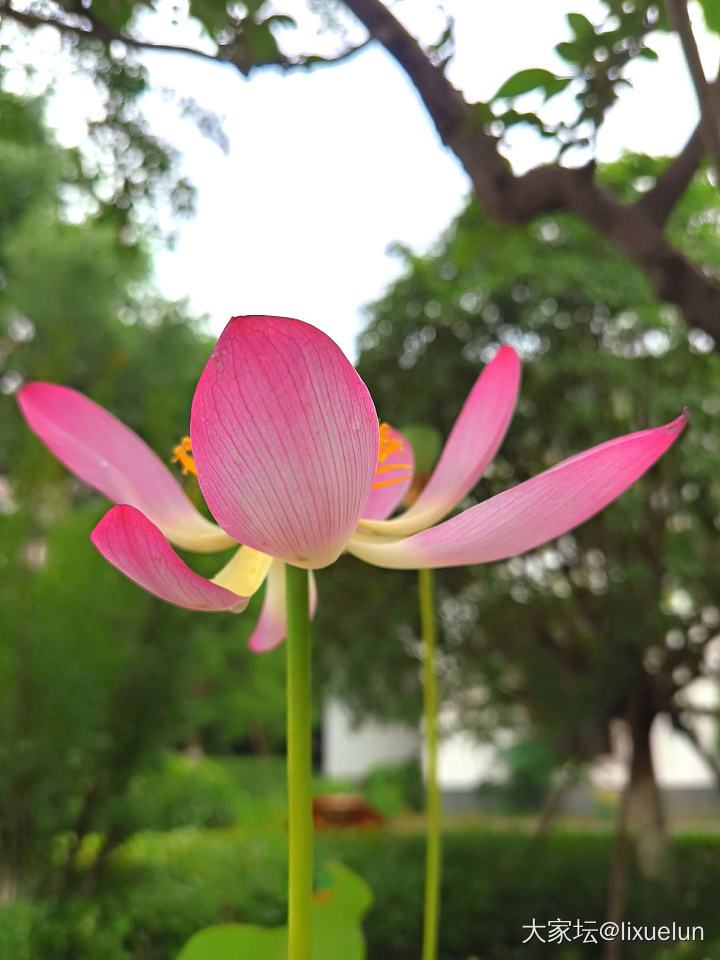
<point x="350" y="751"/>
<point x="463" y="763"/>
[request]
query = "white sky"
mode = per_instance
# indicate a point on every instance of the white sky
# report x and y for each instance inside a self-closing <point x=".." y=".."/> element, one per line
<point x="328" y="167"/>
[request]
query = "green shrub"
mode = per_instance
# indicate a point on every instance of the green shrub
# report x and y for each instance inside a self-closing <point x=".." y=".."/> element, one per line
<point x="20" y="924"/>
<point x="392" y="788"/>
<point x="183" y="792"/>
<point x="323" y="784"/>
<point x="164" y="887"/>
<point x="531" y="766"/>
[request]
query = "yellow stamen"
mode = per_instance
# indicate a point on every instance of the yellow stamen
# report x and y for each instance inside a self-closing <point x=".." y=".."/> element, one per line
<point x="182" y="454"/>
<point x="387" y="483"/>
<point x="388" y="443"/>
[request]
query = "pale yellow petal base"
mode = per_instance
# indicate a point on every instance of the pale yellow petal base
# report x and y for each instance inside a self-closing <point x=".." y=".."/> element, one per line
<point x="245" y="572"/>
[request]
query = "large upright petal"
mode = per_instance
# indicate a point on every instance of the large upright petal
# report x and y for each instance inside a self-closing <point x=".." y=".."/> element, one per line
<point x="473" y="442"/>
<point x="531" y="513"/>
<point x="133" y="544"/>
<point x="271" y="627"/>
<point x="393" y="476"/>
<point x="285" y="439"/>
<point x="110" y="457"/>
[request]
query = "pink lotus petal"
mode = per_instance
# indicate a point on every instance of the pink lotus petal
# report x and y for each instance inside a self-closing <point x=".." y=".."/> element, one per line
<point x="285" y="439"/>
<point x="388" y="489"/>
<point x="133" y="544"/>
<point x="531" y="513"/>
<point x="473" y="442"/>
<point x="110" y="457"/>
<point x="271" y="627"/>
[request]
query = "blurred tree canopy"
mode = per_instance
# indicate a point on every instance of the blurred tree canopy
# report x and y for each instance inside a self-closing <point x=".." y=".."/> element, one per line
<point x="105" y="40"/>
<point x="617" y="619"/>
<point x="97" y="678"/>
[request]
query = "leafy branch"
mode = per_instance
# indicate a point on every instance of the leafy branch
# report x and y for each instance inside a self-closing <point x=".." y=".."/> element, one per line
<point x="597" y="58"/>
<point x="234" y="50"/>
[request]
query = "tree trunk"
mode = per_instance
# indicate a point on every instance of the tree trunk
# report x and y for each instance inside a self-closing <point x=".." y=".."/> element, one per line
<point x="645" y="814"/>
<point x="617" y="880"/>
<point x="641" y="823"/>
<point x="96" y="873"/>
<point x="258" y="740"/>
<point x="194" y="750"/>
<point x="9" y="887"/>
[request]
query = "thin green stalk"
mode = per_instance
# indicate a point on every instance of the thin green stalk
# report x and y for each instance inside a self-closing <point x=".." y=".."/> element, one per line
<point x="430" y="702"/>
<point x="299" y="765"/>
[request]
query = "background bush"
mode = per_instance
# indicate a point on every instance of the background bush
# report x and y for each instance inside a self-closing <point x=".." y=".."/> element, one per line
<point x="166" y="886"/>
<point x="183" y="792"/>
<point x="393" y="788"/>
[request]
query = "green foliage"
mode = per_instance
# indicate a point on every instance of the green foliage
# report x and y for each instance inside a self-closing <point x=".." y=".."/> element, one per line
<point x="531" y="767"/>
<point x="336" y="915"/>
<point x="393" y="788"/>
<point x="183" y="792"/>
<point x="597" y="56"/>
<point x="615" y="614"/>
<point x="711" y="12"/>
<point x="98" y="680"/>
<point x="235" y="942"/>
<point x="122" y="173"/>
<point x="532" y="79"/>
<point x="18" y="929"/>
<point x="165" y="887"/>
<point x="426" y="445"/>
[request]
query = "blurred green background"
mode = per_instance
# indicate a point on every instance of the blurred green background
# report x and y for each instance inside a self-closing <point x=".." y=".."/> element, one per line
<point x="141" y="746"/>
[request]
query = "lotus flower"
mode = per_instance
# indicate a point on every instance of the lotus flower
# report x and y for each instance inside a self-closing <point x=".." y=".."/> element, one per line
<point x="293" y="464"/>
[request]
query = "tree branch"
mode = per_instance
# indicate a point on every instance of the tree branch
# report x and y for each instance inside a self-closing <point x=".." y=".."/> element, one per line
<point x="706" y="96"/>
<point x="657" y="204"/>
<point x="452" y="115"/>
<point x="98" y="30"/>
<point x="672" y="183"/>
<point x="636" y="229"/>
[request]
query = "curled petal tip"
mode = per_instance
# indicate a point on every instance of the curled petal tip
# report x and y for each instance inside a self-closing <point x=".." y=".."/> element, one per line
<point x="255" y="645"/>
<point x="677" y="425"/>
<point x="35" y="389"/>
<point x="133" y="544"/>
<point x="509" y="351"/>
<point x="24" y="390"/>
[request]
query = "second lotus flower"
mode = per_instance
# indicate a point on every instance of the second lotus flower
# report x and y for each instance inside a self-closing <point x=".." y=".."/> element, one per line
<point x="293" y="465"/>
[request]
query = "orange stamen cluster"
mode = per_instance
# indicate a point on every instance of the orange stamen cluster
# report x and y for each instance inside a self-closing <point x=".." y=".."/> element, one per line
<point x="182" y="454"/>
<point x="389" y="444"/>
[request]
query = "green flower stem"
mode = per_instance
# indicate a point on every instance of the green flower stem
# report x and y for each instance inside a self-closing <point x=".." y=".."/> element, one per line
<point x="299" y="764"/>
<point x="430" y="701"/>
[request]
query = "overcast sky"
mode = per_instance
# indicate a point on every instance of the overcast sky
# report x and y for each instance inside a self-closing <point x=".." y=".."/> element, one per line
<point x="328" y="167"/>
